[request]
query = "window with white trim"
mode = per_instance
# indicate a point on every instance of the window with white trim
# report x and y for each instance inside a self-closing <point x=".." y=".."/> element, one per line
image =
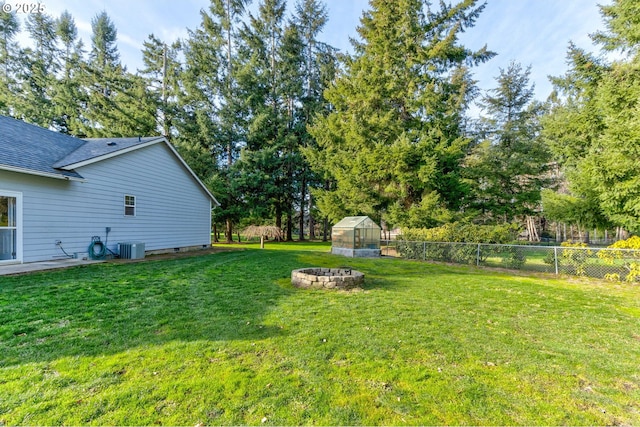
<point x="129" y="205"/>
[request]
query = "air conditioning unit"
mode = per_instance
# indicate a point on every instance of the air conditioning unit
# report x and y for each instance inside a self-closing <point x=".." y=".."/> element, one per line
<point x="131" y="250"/>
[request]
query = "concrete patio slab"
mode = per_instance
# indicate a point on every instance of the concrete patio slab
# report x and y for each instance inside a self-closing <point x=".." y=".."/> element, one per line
<point x="29" y="267"/>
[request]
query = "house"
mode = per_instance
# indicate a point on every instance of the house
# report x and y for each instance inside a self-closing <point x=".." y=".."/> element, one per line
<point x="58" y="192"/>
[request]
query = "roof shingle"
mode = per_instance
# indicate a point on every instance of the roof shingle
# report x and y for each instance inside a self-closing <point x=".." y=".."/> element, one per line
<point x="98" y="147"/>
<point x="32" y="148"/>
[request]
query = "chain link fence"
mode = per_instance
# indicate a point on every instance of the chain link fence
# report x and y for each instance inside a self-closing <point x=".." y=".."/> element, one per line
<point x="600" y="263"/>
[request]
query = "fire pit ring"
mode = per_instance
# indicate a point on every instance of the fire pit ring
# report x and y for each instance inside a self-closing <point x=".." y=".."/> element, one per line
<point x="327" y="278"/>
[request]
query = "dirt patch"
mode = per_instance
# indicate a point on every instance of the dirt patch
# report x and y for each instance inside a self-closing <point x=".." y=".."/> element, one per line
<point x="177" y="255"/>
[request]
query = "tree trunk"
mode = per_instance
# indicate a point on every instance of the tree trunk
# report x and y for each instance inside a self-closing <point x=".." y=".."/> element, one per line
<point x="532" y="230"/>
<point x="312" y="225"/>
<point x="303" y="196"/>
<point x="325" y="228"/>
<point x="289" y="236"/>
<point x="229" y="231"/>
<point x="215" y="232"/>
<point x="279" y="217"/>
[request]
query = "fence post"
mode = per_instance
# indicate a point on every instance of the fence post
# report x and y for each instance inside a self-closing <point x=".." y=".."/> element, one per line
<point x="555" y="258"/>
<point x="424" y="251"/>
<point x="478" y="256"/>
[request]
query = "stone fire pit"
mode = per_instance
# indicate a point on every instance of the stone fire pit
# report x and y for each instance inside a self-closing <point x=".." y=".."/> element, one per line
<point x="326" y="278"/>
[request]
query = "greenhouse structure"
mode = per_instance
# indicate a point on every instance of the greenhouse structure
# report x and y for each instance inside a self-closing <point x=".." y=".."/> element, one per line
<point x="356" y="236"/>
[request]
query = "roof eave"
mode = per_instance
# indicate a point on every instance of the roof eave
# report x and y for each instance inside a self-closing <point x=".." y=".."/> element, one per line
<point x="42" y="173"/>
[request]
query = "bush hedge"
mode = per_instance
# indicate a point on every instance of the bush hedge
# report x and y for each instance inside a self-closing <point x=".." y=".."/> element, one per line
<point x="463" y="232"/>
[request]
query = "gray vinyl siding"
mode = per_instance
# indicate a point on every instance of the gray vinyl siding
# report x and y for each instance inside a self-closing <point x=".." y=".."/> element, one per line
<point x="172" y="210"/>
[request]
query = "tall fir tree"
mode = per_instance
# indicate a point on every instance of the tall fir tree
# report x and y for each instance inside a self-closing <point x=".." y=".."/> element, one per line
<point x="393" y="142"/>
<point x="101" y="78"/>
<point x="104" y="50"/>
<point x="274" y="65"/>
<point x="39" y="67"/>
<point x="118" y="104"/>
<point x="9" y="53"/>
<point x="212" y="106"/>
<point x="570" y="127"/>
<point x="69" y="99"/>
<point x="593" y="126"/>
<point x="162" y="70"/>
<point x="320" y="63"/>
<point x="508" y="169"/>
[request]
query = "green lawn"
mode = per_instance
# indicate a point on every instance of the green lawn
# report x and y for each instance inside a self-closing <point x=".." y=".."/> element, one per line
<point x="225" y="339"/>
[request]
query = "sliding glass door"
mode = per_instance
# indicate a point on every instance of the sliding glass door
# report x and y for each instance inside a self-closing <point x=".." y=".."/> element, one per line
<point x="9" y="227"/>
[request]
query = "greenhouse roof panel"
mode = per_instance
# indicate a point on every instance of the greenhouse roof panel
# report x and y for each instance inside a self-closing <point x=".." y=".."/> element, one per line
<point x="350" y="221"/>
<point x="355" y="222"/>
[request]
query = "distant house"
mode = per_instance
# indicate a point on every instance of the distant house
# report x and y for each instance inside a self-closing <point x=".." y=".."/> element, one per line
<point x="57" y="192"/>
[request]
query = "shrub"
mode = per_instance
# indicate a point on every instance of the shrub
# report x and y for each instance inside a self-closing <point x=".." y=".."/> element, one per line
<point x="514" y="257"/>
<point x="550" y="258"/>
<point x="461" y="232"/>
<point x="631" y="250"/>
<point x="576" y="258"/>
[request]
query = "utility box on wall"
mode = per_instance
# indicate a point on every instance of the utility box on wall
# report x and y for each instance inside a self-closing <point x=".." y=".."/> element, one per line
<point x="131" y="250"/>
<point x="356" y="236"/>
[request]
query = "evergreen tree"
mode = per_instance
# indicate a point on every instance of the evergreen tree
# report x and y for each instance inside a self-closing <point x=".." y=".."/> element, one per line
<point x="38" y="72"/>
<point x="270" y="113"/>
<point x="104" y="51"/>
<point x="118" y="104"/>
<point x="573" y="121"/>
<point x="212" y="105"/>
<point x="101" y="78"/>
<point x="508" y="169"/>
<point x="393" y="143"/>
<point x="593" y="125"/>
<point x="283" y="96"/>
<point x="319" y="62"/>
<point x="69" y="100"/>
<point x="622" y="19"/>
<point x="163" y="72"/>
<point x="570" y="127"/>
<point x="9" y="29"/>
<point x="67" y="32"/>
<point x="291" y="83"/>
<point x="612" y="162"/>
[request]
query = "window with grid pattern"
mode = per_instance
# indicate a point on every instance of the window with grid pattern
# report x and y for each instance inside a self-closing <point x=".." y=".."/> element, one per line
<point x="129" y="205"/>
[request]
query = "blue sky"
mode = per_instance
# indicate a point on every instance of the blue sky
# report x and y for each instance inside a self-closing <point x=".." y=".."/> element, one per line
<point x="532" y="32"/>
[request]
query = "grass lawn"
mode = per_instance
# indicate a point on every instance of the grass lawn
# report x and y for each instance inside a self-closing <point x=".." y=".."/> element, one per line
<point x="225" y="339"/>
